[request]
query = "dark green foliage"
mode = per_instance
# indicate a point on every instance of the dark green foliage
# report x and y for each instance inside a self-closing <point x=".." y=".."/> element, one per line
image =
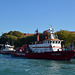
<point x="26" y="40"/>
<point x="11" y="37"/>
<point x="67" y="36"/>
<point x="3" y="40"/>
<point x="18" y="34"/>
<point x="10" y="33"/>
<point x="46" y="33"/>
<point x="41" y="37"/>
<point x="14" y="33"/>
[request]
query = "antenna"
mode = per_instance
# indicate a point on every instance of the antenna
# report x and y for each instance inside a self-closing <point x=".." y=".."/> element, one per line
<point x="51" y="30"/>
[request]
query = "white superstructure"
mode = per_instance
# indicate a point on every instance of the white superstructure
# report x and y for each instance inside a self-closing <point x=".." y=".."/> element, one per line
<point x="8" y="48"/>
<point x="48" y="45"/>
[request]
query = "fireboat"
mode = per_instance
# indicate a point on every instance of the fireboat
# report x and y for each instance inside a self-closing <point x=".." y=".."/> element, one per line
<point x="48" y="49"/>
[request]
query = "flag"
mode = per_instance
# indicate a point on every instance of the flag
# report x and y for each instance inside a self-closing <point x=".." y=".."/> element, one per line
<point x="36" y="31"/>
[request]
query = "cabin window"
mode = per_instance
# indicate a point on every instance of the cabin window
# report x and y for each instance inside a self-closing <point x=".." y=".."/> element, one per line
<point x="53" y="41"/>
<point x="50" y="41"/>
<point x="56" y="42"/>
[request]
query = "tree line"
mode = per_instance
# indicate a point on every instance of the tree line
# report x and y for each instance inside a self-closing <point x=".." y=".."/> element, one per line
<point x="18" y="39"/>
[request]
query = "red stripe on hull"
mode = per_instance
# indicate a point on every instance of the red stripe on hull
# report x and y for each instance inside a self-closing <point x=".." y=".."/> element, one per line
<point x="62" y="55"/>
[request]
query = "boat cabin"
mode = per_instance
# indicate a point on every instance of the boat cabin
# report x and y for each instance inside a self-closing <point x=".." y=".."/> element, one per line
<point x="48" y="45"/>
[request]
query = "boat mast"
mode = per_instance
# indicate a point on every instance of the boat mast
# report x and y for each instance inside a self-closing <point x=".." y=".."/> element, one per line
<point x="37" y="35"/>
<point x="51" y="30"/>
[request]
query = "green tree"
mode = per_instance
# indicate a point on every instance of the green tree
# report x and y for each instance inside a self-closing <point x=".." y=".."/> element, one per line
<point x="66" y="36"/>
<point x="10" y="33"/>
<point x="18" y="34"/>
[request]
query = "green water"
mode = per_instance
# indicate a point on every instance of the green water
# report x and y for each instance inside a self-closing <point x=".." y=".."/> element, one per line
<point x="21" y="66"/>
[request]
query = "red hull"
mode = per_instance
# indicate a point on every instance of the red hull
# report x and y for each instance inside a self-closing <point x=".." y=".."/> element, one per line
<point x="59" y="55"/>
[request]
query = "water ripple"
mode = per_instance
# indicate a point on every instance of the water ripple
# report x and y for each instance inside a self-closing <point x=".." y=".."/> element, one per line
<point x="22" y="66"/>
